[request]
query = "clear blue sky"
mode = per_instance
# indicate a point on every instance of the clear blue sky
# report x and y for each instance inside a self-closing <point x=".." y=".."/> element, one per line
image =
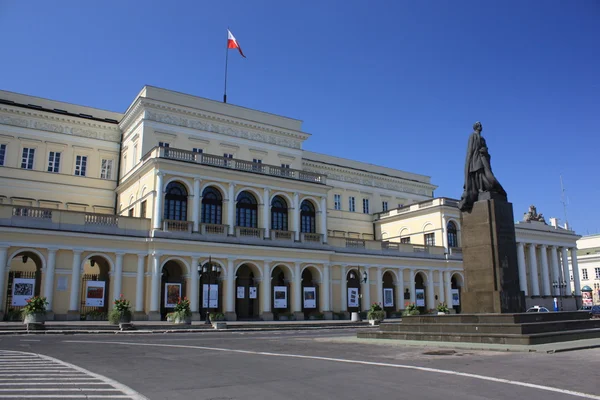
<point x="394" y="83"/>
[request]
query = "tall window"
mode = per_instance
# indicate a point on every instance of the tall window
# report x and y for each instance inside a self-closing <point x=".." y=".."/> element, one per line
<point x="176" y="202"/>
<point x="106" y="170"/>
<point x="143" y="209"/>
<point x="384" y="206"/>
<point x="405" y="240"/>
<point x="430" y="239"/>
<point x="212" y="206"/>
<point x="2" y="153"/>
<point x="279" y="214"/>
<point x="337" y="201"/>
<point x="134" y="157"/>
<point x="365" y="206"/>
<point x="53" y="161"/>
<point x="584" y="274"/>
<point x="197" y="150"/>
<point x="452" y="234"/>
<point x="246" y="210"/>
<point x="27" y="159"/>
<point x="227" y="156"/>
<point x="351" y="204"/>
<point x="597" y="271"/>
<point x="130" y="213"/>
<point x="80" y="165"/>
<point x="307" y="217"/>
<point x="256" y="164"/>
<point x="285" y="169"/>
<point x="163" y="144"/>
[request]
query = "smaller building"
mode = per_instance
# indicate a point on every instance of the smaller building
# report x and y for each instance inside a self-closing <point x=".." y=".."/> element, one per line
<point x="588" y="260"/>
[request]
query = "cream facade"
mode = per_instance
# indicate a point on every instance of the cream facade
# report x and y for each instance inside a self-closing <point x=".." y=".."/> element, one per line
<point x="587" y="266"/>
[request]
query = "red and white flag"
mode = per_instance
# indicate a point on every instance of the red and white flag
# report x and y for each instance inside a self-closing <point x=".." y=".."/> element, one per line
<point x="232" y="43"/>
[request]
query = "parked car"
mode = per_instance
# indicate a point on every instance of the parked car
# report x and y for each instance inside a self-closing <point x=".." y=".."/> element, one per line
<point x="537" y="309"/>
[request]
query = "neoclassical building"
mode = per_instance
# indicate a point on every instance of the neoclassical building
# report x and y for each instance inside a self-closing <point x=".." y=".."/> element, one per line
<point x="181" y="196"/>
<point x="587" y="267"/>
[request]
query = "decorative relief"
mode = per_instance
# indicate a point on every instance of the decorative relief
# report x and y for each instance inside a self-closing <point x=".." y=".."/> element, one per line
<point x="14" y="121"/>
<point x="45" y="126"/>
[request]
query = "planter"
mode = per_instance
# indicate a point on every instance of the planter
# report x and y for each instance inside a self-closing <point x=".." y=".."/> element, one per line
<point x="181" y="320"/>
<point x="374" y="321"/>
<point x="35" y="318"/>
<point x="441" y="313"/>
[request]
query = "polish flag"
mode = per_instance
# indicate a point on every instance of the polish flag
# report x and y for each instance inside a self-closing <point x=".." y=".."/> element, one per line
<point x="232" y="43"/>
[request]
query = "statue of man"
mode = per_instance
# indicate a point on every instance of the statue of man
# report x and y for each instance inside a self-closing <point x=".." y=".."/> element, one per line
<point x="478" y="171"/>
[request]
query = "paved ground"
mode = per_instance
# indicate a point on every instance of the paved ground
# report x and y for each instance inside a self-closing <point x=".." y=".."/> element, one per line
<point x="325" y="364"/>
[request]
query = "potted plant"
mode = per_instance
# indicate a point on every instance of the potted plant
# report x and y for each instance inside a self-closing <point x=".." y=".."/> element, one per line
<point x="121" y="313"/>
<point x="181" y="313"/>
<point x="316" y="316"/>
<point x="411" y="309"/>
<point x="442" y="309"/>
<point x="375" y="314"/>
<point x="216" y="316"/>
<point x="286" y="316"/>
<point x="34" y="311"/>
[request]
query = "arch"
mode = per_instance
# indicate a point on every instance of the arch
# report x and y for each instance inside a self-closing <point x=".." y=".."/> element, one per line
<point x="104" y="256"/>
<point x="308" y="220"/>
<point x="384" y="235"/>
<point x="279" y="213"/>
<point x="142" y="192"/>
<point x="248" y="291"/>
<point x="212" y="260"/>
<point x="131" y="200"/>
<point x="452" y="234"/>
<point x="257" y="195"/>
<point x="393" y="272"/>
<point x="286" y="196"/>
<point x="180" y="261"/>
<point x="456" y="222"/>
<point x="285" y="268"/>
<point x="183" y="181"/>
<point x="316" y="203"/>
<point x="424" y="275"/>
<point x="255" y="268"/>
<point x="461" y="279"/>
<point x="212" y="206"/>
<point x="426" y="225"/>
<point x="312" y="268"/>
<point x="404" y="232"/>
<point x="217" y="185"/>
<point x="175" y="201"/>
<point x="27" y="250"/>
<point x="246" y="210"/>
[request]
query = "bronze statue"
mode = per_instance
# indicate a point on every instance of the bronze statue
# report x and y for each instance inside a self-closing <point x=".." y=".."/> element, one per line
<point x="479" y="177"/>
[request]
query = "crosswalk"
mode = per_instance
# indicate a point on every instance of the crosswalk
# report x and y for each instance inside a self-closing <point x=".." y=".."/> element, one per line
<point x="36" y="376"/>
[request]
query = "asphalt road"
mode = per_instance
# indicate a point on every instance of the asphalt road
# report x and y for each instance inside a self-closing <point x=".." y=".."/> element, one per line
<point x="323" y="364"/>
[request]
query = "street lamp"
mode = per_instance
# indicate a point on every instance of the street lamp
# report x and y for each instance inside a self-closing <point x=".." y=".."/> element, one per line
<point x="209" y="269"/>
<point x="561" y="285"/>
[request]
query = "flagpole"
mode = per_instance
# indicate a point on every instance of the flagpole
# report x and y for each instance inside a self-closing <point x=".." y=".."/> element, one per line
<point x="226" y="57"/>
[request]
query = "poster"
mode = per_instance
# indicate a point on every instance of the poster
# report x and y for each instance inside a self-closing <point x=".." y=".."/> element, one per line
<point x="214" y="296"/>
<point x="94" y="293"/>
<point x="310" y="297"/>
<point x="279" y="297"/>
<point x="420" y="297"/>
<point x="252" y="292"/>
<point x="61" y="283"/>
<point x="352" y="297"/>
<point x="241" y="292"/>
<point x="455" y="298"/>
<point x="586" y="297"/>
<point x="388" y="297"/>
<point x="172" y="294"/>
<point x="22" y="291"/>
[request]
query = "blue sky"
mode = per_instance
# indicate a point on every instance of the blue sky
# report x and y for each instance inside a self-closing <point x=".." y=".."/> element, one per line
<point x="394" y="83"/>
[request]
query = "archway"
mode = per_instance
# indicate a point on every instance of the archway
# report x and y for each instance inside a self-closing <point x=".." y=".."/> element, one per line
<point x="389" y="295"/>
<point x="456" y="285"/>
<point x="354" y="293"/>
<point x="420" y="297"/>
<point x="247" y="293"/>
<point x="310" y="293"/>
<point x="95" y="286"/>
<point x="172" y="286"/>
<point x="280" y="298"/>
<point x="211" y="289"/>
<point x="24" y="281"/>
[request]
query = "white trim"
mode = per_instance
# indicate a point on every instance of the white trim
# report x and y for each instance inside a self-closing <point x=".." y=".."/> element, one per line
<point x="26" y="249"/>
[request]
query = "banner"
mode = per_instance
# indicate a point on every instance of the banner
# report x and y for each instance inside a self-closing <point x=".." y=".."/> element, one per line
<point x="94" y="293"/>
<point x="22" y="291"/>
<point x="241" y="292"/>
<point x="420" y="297"/>
<point x="280" y="297"/>
<point x="388" y="297"/>
<point x="587" y="299"/>
<point x="455" y="297"/>
<point x="214" y="296"/>
<point x="252" y="292"/>
<point x="172" y="294"/>
<point x="310" y="297"/>
<point x="352" y="297"/>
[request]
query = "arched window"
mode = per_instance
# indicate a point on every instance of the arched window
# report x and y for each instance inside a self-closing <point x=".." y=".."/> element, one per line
<point x="176" y="202"/>
<point x="307" y="217"/>
<point x="279" y="214"/>
<point x="246" y="211"/>
<point x="212" y="206"/>
<point x="452" y="234"/>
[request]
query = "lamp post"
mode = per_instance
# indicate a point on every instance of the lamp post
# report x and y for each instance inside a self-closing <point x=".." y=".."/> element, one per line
<point x="561" y="285"/>
<point x="209" y="269"/>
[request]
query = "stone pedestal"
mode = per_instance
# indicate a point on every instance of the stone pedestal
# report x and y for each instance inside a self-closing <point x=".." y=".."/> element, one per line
<point x="299" y="315"/>
<point x="267" y="316"/>
<point x="490" y="258"/>
<point x="73" y="315"/>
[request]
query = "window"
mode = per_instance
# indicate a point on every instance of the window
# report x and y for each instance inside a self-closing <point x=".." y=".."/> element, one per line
<point x="134" y="157"/>
<point x="176" y="202"/>
<point x="405" y="240"/>
<point x="285" y="170"/>
<point x="256" y="164"/>
<point x="584" y="274"/>
<point x="163" y="144"/>
<point x="307" y="217"/>
<point x="130" y="213"/>
<point x="197" y="150"/>
<point x="106" y="170"/>
<point x="279" y="214"/>
<point x="351" y="204"/>
<point x="337" y="201"/>
<point x="27" y="159"/>
<point x="212" y="206"/>
<point x="452" y="234"/>
<point x="246" y="210"/>
<point x="80" y="165"/>
<point x="287" y="166"/>
<point x="597" y="272"/>
<point x="143" y="209"/>
<point x="400" y="205"/>
<point x="365" y="206"/>
<point x="53" y="161"/>
<point x="226" y="163"/>
<point x="384" y="206"/>
<point x="2" y="153"/>
<point x="430" y="239"/>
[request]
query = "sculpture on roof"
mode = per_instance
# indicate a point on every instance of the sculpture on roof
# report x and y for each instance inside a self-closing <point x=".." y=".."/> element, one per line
<point x="532" y="215"/>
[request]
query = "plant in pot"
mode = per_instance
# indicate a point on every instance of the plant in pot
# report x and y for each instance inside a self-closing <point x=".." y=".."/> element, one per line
<point x="35" y="310"/>
<point x="216" y="316"/>
<point x="375" y="314"/>
<point x="442" y="309"/>
<point x="411" y="309"/>
<point x="182" y="313"/>
<point x="121" y="313"/>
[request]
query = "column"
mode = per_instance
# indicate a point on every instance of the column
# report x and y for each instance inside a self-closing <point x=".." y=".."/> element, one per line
<point x="555" y="271"/>
<point x="230" y="303"/>
<point x="155" y="288"/>
<point x="297" y="303"/>
<point x="139" y="284"/>
<point x="49" y="281"/>
<point x="158" y="201"/>
<point x="533" y="267"/>
<point x="296" y="216"/>
<point x="575" y="267"/>
<point x="324" y="218"/>
<point x="118" y="275"/>
<point x="379" y="276"/>
<point x="344" y="289"/>
<point x="400" y="290"/>
<point x="445" y="233"/>
<point x="429" y="291"/>
<point x="545" y="272"/>
<point x="197" y="201"/>
<point x="325" y="288"/>
<point x="448" y="283"/>
<point x="522" y="267"/>
<point x="441" y="297"/>
<point x="3" y="262"/>
<point x="194" y="285"/>
<point x="75" y="281"/>
<point x="267" y="212"/>
<point x="231" y="209"/>
<point x="266" y="288"/>
<point x="366" y="291"/>
<point x="411" y="285"/>
<point x="565" y="266"/>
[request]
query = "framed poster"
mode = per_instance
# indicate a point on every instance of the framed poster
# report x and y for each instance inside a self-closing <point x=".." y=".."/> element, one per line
<point x="252" y="292"/>
<point x="280" y="297"/>
<point x="455" y="298"/>
<point x="94" y="293"/>
<point x="241" y="292"/>
<point x="172" y="294"/>
<point x="352" y="297"/>
<point x="310" y="297"/>
<point x="420" y="297"/>
<point x="214" y="296"/>
<point x="22" y="291"/>
<point x="388" y="297"/>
